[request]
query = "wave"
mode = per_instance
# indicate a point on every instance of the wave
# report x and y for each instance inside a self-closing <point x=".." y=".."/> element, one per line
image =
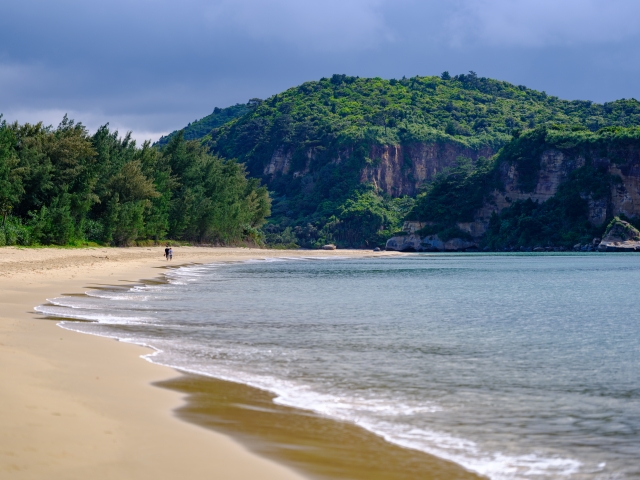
<point x="103" y="318"/>
<point x="363" y="411"/>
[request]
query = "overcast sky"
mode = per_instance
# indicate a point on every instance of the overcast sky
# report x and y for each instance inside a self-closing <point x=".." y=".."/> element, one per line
<point x="152" y="66"/>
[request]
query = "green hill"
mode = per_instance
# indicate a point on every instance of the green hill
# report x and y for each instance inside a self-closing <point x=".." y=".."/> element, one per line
<point x="202" y="127"/>
<point x="344" y="156"/>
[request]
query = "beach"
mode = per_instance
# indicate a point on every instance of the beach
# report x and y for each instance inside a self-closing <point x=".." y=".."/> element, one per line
<point x="77" y="406"/>
<point x="315" y="365"/>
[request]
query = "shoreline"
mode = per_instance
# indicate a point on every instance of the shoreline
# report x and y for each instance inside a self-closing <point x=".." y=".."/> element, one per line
<point x="318" y="446"/>
<point x="68" y="410"/>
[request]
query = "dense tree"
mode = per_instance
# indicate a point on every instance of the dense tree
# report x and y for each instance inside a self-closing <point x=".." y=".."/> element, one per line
<point x="64" y="186"/>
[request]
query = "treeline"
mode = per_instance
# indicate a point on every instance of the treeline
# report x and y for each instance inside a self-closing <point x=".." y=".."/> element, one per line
<point x="63" y="186"/>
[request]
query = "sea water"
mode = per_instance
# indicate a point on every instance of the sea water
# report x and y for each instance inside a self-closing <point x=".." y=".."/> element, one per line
<point x="514" y="366"/>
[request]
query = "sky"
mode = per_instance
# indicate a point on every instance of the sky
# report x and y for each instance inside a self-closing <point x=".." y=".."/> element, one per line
<point x="152" y="66"/>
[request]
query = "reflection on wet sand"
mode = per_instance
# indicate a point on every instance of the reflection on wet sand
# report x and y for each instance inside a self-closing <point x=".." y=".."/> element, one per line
<point x="312" y="444"/>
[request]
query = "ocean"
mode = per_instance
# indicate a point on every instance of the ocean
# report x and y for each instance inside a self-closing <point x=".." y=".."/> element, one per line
<point x="511" y="365"/>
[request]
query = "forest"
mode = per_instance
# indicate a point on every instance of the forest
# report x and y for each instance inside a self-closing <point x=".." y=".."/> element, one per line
<point x="62" y="186"/>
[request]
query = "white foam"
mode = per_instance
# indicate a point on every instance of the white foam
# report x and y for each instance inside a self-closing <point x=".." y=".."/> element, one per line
<point x="64" y="312"/>
<point x="374" y="415"/>
<point x="68" y="302"/>
<point x="117" y="296"/>
<point x="265" y="260"/>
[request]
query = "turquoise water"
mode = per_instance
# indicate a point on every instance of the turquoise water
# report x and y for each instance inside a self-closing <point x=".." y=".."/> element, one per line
<point x="514" y="366"/>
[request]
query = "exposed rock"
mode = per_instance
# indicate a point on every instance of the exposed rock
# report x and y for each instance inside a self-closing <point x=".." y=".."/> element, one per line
<point x="459" y="244"/>
<point x="404" y="243"/>
<point x="430" y="243"/>
<point x="620" y="231"/>
<point x="554" y="169"/>
<point x="330" y="246"/>
<point x="625" y="197"/>
<point x="280" y="162"/>
<point x="394" y="169"/>
<point x="401" y="169"/>
<point x="377" y="249"/>
<point x="412" y="227"/>
<point x="620" y="236"/>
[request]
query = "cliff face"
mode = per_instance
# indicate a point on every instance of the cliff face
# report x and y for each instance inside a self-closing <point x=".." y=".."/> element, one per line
<point x="280" y="163"/>
<point x="401" y="169"/>
<point x="625" y="197"/>
<point x="548" y="188"/>
<point x="555" y="168"/>
<point x="396" y="170"/>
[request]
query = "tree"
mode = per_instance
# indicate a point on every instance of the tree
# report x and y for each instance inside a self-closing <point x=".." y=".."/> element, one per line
<point x="254" y="103"/>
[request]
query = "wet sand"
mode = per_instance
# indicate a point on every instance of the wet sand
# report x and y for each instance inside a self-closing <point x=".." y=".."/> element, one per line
<point x="76" y="406"/>
<point x="310" y="443"/>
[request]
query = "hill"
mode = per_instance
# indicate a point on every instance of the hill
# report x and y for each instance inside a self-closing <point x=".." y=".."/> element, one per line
<point x="344" y="156"/>
<point x="202" y="127"/>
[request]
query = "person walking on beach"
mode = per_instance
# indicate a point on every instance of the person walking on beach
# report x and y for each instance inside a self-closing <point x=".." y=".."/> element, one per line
<point x="166" y="252"/>
<point x="170" y="253"/>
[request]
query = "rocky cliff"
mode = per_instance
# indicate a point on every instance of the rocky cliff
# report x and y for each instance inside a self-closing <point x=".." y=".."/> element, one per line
<point x="395" y="170"/>
<point x="590" y="178"/>
<point x="402" y="169"/>
<point x="555" y="168"/>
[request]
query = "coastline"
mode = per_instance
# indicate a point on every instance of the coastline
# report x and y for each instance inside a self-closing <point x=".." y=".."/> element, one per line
<point x="81" y="406"/>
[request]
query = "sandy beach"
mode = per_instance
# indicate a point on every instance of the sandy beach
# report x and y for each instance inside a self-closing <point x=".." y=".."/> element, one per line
<point x="76" y="406"/>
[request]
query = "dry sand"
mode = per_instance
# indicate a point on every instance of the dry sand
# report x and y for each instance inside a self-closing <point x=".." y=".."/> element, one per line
<point x="74" y="406"/>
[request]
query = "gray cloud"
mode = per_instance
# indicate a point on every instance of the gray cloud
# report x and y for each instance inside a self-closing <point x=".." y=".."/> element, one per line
<point x="327" y="26"/>
<point x="153" y="66"/>
<point x="539" y="23"/>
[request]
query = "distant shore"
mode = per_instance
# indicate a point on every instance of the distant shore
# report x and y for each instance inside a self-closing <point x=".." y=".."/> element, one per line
<point x="76" y="406"/>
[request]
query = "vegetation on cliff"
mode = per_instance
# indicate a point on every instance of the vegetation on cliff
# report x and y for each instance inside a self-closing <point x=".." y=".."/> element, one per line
<point x="563" y="220"/>
<point x="343" y="111"/>
<point x="62" y="186"/>
<point x="456" y="194"/>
